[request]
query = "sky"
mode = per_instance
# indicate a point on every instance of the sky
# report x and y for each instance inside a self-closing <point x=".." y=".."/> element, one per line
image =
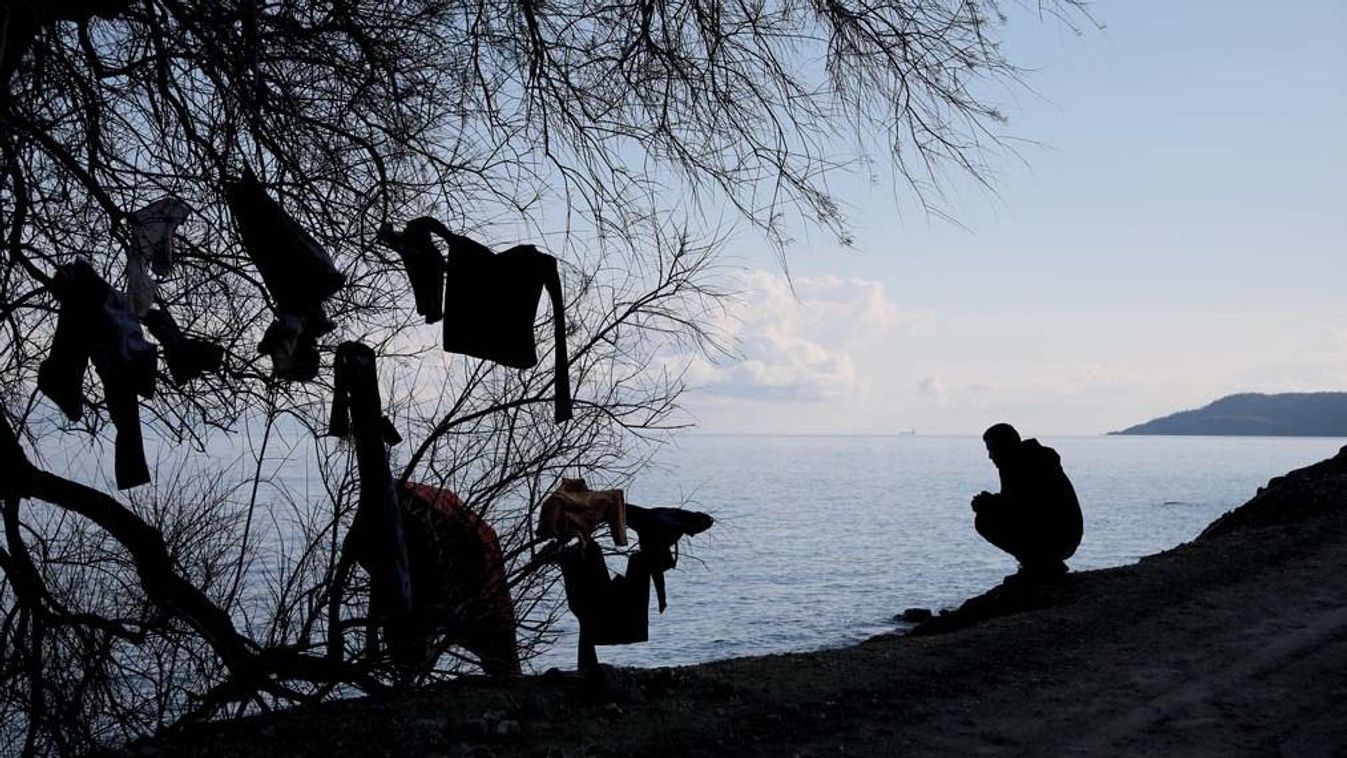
<point x="1174" y="233"/>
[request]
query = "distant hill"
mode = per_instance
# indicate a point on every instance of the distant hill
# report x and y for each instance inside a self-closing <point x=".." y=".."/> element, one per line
<point x="1291" y="414"/>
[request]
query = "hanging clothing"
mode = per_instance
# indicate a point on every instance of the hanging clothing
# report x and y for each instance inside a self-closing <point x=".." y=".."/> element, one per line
<point x="93" y="324"/>
<point x="574" y="510"/>
<point x="187" y="357"/>
<point x="422" y="260"/>
<point x="491" y="303"/>
<point x="612" y="610"/>
<point x="152" y="229"/>
<point x="376" y="537"/>
<point x="292" y="343"/>
<point x="459" y="586"/>
<point x="659" y="530"/>
<point x="21" y="19"/>
<point x="296" y="270"/>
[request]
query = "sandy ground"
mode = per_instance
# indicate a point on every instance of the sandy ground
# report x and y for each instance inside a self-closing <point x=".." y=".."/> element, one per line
<point x="1234" y="644"/>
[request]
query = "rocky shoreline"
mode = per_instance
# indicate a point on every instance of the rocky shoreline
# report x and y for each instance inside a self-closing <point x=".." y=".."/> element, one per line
<point x="1233" y="643"/>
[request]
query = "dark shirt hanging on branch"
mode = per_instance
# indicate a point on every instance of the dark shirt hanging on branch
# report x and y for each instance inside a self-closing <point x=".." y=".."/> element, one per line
<point x="612" y="610"/>
<point x="423" y="262"/>
<point x="491" y="303"/>
<point x="94" y="325"/>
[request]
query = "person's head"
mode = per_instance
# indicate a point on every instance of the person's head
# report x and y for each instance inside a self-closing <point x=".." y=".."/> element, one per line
<point x="1002" y="441"/>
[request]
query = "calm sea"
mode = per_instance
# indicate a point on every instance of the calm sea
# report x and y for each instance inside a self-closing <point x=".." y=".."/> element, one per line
<point x="819" y="541"/>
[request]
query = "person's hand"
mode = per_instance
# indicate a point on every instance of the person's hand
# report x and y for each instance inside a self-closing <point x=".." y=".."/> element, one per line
<point x="980" y="500"/>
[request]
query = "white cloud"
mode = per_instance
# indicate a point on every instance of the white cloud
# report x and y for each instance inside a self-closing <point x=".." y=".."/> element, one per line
<point x="801" y="343"/>
<point x="932" y="386"/>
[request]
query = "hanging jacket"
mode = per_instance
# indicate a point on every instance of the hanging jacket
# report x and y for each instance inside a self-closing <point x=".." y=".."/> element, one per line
<point x="187" y="357"/>
<point x="152" y="230"/>
<point x="93" y="324"/>
<point x="491" y="303"/>
<point x="459" y="585"/>
<point x="376" y="533"/>
<point x="422" y="260"/>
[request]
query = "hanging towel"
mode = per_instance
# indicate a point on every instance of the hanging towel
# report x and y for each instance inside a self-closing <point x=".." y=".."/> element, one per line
<point x="491" y="303"/>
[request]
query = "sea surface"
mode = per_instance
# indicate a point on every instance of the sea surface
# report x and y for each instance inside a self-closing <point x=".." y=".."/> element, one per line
<point x="821" y="540"/>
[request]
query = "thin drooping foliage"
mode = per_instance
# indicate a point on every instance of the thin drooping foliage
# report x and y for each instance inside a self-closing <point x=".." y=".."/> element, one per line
<point x="600" y="131"/>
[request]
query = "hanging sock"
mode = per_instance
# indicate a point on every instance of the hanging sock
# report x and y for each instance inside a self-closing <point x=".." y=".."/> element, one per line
<point x="152" y="230"/>
<point x="187" y="357"/>
<point x="491" y="303"/>
<point x="93" y="324"/>
<point x="422" y="260"/>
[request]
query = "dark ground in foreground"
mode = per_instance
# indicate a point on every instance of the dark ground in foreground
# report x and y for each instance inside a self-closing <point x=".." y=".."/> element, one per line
<point x="1235" y="643"/>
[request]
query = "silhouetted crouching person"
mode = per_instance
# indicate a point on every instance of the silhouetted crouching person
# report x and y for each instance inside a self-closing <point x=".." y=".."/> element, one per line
<point x="1036" y="516"/>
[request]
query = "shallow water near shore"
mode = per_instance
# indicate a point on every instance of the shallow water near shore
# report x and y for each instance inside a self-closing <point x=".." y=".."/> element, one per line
<point x="820" y="540"/>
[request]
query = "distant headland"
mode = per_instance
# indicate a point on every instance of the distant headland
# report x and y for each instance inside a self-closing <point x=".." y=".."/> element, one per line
<point x="1289" y="414"/>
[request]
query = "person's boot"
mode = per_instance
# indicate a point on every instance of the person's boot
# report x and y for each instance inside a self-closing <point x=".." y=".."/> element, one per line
<point x="1037" y="573"/>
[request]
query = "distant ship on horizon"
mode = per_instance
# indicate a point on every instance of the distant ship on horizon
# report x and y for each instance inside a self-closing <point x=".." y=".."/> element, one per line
<point x="905" y="432"/>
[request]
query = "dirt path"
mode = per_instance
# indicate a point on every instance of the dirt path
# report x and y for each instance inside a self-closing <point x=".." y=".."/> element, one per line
<point x="1235" y="644"/>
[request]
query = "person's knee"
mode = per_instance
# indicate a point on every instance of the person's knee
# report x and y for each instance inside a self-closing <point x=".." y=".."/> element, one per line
<point x="991" y="528"/>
